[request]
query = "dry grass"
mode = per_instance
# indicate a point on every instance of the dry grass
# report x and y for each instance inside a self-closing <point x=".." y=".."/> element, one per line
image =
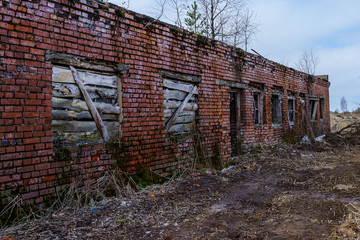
<point x="286" y="188"/>
<point x="83" y="201"/>
<point x="85" y="192"/>
<point x="350" y="229"/>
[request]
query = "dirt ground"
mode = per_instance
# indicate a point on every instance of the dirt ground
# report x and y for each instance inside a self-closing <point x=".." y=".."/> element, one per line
<point x="302" y="191"/>
<point x="290" y="192"/>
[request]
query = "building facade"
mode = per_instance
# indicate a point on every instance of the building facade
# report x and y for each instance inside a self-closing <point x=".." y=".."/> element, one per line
<point x="87" y="86"/>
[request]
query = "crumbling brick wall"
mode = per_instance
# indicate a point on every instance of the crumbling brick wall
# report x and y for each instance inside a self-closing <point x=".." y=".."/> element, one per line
<point x="138" y="49"/>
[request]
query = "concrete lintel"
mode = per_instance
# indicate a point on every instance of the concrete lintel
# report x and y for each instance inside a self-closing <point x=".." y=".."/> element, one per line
<point x="80" y="62"/>
<point x="180" y="76"/>
<point x="231" y="84"/>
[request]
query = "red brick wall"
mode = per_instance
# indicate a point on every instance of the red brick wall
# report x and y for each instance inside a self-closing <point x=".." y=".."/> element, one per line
<point x="28" y="29"/>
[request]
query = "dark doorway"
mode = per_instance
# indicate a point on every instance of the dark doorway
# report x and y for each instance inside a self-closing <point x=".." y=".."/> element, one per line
<point x="235" y="123"/>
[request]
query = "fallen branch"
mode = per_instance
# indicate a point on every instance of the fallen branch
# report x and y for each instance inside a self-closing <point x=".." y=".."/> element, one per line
<point x="355" y="126"/>
<point x="308" y="125"/>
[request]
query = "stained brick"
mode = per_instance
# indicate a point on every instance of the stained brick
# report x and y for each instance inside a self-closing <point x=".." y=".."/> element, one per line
<point x="49" y="178"/>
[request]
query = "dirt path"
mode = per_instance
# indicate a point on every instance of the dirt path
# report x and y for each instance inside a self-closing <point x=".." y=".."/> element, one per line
<point x="298" y="192"/>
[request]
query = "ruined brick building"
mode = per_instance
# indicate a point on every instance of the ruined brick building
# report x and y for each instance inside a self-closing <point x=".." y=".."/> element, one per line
<point x="159" y="94"/>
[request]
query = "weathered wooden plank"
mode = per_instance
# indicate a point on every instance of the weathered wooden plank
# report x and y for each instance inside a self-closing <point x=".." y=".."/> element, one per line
<point x="183" y="119"/>
<point x="190" y="106"/>
<point x="308" y="125"/>
<point x="79" y="105"/>
<point x="179" y="110"/>
<point x="169" y="112"/>
<point x="179" y="86"/>
<point x="94" y="112"/>
<point x="176" y="95"/>
<point x="182" y="128"/>
<point x="313" y="116"/>
<point x="73" y="91"/>
<point x="82" y="126"/>
<point x="84" y="115"/>
<point x="180" y="76"/>
<point x="64" y="75"/>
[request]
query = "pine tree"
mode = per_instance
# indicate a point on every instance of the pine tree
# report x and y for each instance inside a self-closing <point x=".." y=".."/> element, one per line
<point x="195" y="22"/>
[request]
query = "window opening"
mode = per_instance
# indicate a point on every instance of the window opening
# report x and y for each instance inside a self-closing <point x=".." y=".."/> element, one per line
<point x="322" y="108"/>
<point x="313" y="109"/>
<point x="291" y="111"/>
<point x="258" y="109"/>
<point x="276" y="108"/>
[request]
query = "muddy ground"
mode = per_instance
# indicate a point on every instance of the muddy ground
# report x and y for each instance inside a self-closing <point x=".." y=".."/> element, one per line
<point x="301" y="191"/>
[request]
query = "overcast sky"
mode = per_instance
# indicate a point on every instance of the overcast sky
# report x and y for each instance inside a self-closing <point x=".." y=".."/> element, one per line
<point x="331" y="28"/>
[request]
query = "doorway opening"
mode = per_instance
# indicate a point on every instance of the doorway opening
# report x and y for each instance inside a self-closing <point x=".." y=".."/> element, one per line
<point x="235" y="123"/>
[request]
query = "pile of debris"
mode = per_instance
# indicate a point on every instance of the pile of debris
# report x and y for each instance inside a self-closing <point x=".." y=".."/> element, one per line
<point x="348" y="136"/>
<point x="339" y="121"/>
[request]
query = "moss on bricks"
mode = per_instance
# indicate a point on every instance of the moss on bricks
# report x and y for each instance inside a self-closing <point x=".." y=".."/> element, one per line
<point x="62" y="154"/>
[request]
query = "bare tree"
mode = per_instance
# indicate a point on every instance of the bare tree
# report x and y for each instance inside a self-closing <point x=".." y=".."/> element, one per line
<point x="308" y="62"/>
<point x="249" y="27"/>
<point x="225" y="20"/>
<point x="357" y="110"/>
<point x="237" y="36"/>
<point x="179" y="6"/>
<point x="285" y="61"/>
<point x="218" y="14"/>
<point x="158" y="11"/>
<point x="244" y="28"/>
<point x="343" y="105"/>
<point x="126" y="4"/>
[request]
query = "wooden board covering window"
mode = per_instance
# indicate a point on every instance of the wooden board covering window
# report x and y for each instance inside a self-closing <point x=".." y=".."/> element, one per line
<point x="72" y="122"/>
<point x="175" y="93"/>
